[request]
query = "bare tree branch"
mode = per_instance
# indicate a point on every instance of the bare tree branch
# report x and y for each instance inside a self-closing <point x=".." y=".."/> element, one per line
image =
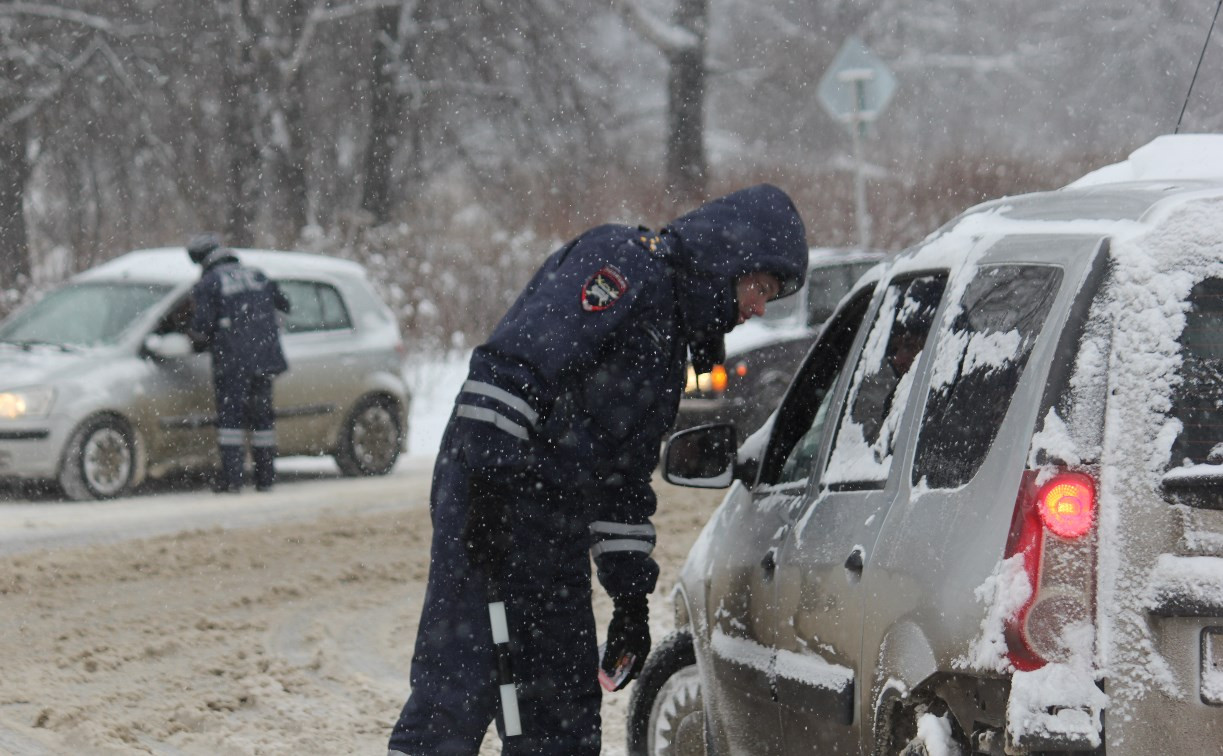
<point x="668" y="38"/>
<point x="80" y="18"/>
<point x="50" y="90"/>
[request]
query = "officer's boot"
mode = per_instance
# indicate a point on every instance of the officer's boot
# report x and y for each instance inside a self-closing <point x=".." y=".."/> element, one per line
<point x="232" y="460"/>
<point x="265" y="469"/>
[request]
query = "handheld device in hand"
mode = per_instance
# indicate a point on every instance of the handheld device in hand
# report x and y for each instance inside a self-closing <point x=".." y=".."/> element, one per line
<point x="612" y="681"/>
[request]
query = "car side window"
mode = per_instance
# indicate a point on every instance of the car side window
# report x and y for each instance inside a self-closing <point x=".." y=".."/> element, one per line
<point x="801" y="460"/>
<point x="794" y="446"/>
<point x="977" y="365"/>
<point x="1197" y="402"/>
<point x="314" y="307"/>
<point x="882" y="381"/>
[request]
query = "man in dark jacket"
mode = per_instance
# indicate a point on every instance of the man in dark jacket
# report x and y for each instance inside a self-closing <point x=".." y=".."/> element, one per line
<point x="235" y="317"/>
<point x="548" y="456"/>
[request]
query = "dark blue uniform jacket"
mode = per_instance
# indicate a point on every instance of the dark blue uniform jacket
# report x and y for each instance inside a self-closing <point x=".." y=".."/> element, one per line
<point x="580" y="381"/>
<point x="235" y="315"/>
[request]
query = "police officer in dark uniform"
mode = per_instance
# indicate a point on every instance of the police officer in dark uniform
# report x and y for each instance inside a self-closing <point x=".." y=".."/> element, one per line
<point x="548" y="457"/>
<point x="235" y="318"/>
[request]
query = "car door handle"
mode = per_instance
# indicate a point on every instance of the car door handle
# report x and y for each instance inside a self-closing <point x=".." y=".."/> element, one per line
<point x="854" y="561"/>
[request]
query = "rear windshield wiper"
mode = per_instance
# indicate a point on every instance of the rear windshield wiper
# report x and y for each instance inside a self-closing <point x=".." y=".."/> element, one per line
<point x="1199" y="486"/>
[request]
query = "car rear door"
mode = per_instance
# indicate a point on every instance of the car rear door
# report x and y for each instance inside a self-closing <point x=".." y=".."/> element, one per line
<point x="323" y="379"/>
<point x="1161" y="585"/>
<point x="820" y="562"/>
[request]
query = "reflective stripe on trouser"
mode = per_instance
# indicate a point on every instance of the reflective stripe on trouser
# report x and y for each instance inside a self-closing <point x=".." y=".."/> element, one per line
<point x="547" y="589"/>
<point x="263" y="455"/>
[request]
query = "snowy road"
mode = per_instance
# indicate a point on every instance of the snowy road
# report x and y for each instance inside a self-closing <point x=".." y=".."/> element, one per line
<point x="307" y="489"/>
<point x="283" y="623"/>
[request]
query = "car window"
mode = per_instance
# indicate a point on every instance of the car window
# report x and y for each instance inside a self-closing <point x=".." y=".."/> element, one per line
<point x="827" y="286"/>
<point x="977" y="364"/>
<point x="88" y="314"/>
<point x="1197" y="402"/>
<point x="882" y="381"/>
<point x="801" y="460"/>
<point x="314" y="307"/>
<point x="794" y="446"/>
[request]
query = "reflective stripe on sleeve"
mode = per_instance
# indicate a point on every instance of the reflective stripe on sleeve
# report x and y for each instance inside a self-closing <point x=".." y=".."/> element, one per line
<point x="619" y="528"/>
<point x="620" y="544"/>
<point x="515" y="403"/>
<point x="486" y="415"/>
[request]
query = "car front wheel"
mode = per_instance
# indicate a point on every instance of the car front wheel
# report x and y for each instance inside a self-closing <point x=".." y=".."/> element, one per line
<point x="370" y="439"/>
<point x="666" y="715"/>
<point x="100" y="462"/>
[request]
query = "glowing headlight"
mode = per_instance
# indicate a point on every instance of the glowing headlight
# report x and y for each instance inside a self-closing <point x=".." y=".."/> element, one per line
<point x="26" y="402"/>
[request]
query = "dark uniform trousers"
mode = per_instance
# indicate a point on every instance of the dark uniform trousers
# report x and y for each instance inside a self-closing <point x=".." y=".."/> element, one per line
<point x="244" y="401"/>
<point x="547" y="589"/>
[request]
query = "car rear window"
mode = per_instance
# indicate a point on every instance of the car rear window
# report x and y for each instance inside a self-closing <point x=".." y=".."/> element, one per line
<point x="314" y="307"/>
<point x="977" y="365"/>
<point x="882" y="380"/>
<point x="1198" y="401"/>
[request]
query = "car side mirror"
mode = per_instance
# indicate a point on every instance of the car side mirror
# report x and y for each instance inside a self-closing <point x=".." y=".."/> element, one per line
<point x="702" y="457"/>
<point x="168" y="346"/>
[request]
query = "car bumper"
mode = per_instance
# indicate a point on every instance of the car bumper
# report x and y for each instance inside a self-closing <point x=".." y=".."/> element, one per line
<point x="29" y="451"/>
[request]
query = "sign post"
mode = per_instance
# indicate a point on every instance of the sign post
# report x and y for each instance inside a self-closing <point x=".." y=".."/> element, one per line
<point x="855" y="89"/>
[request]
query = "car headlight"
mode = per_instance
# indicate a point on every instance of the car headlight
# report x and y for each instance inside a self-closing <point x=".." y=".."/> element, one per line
<point x="26" y="402"/>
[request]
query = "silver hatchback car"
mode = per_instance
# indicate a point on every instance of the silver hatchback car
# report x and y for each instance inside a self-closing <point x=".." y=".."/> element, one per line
<point x="100" y="387"/>
<point x="987" y="516"/>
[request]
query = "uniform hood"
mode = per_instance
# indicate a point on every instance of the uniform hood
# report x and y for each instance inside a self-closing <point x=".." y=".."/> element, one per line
<point x="751" y="230"/>
<point x="219" y="256"/>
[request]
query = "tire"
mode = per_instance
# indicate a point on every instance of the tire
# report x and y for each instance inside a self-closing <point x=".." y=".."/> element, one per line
<point x="100" y="461"/>
<point x="371" y="438"/>
<point x="666" y="715"/>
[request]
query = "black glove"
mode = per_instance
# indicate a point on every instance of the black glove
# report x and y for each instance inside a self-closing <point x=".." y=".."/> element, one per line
<point x="486" y="534"/>
<point x="628" y="633"/>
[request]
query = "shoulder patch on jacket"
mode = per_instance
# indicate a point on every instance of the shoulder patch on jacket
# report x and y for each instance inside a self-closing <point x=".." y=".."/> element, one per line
<point x="603" y="289"/>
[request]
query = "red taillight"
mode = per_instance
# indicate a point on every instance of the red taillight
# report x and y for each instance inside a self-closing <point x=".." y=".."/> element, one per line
<point x="1064" y="506"/>
<point x="741" y="369"/>
<point x="1068" y="505"/>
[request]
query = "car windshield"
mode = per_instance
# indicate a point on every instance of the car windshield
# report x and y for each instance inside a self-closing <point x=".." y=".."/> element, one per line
<point x="90" y="314"/>
<point x="782" y="311"/>
<point x="828" y="285"/>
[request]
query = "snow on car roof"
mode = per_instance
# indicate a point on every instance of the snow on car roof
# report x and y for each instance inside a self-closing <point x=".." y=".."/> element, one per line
<point x="1121" y="201"/>
<point x="171" y="264"/>
<point x="833" y="255"/>
<point x="1175" y="157"/>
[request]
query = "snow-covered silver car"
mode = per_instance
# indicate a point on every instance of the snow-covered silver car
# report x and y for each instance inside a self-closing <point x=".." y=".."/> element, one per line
<point x="100" y="387"/>
<point x="987" y="516"/>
